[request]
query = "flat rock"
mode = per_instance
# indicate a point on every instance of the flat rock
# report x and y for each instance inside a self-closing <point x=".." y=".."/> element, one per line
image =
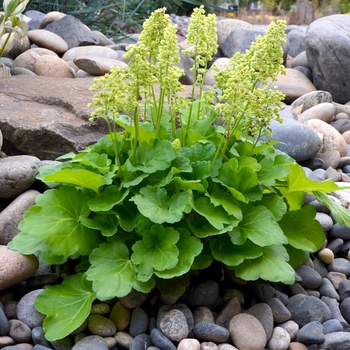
<point x="47" y="117"/>
<point x="15" y="267"/>
<point x="96" y="65"/>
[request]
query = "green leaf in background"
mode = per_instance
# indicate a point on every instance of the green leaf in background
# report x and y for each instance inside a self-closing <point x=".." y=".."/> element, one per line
<point x="107" y="223"/>
<point x="204" y="259"/>
<point x="55" y="219"/>
<point x="157" y="251"/>
<point x="271" y="266"/>
<point x="217" y="216"/>
<point x="71" y="306"/>
<point x="241" y="182"/>
<point x="176" y="287"/>
<point x="154" y="203"/>
<point x="302" y="230"/>
<point x="202" y="228"/>
<point x="260" y="226"/>
<point x="181" y="184"/>
<point x="297" y="257"/>
<point x="230" y="254"/>
<point x="78" y="177"/>
<point x="152" y="156"/>
<point x="108" y="198"/>
<point x="189" y="247"/>
<point x="112" y="272"/>
<point x="340" y="214"/>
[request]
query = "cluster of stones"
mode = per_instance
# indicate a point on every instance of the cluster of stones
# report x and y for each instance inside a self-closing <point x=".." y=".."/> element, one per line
<point x="211" y="314"/>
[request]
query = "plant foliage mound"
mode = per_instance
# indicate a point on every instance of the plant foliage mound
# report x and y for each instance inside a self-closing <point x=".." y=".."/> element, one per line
<point x="186" y="182"/>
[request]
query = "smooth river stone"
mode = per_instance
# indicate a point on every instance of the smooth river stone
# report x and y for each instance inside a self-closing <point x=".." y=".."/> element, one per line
<point x="52" y="66"/>
<point x="96" y="65"/>
<point x="296" y="139"/>
<point x="331" y="138"/>
<point x="46" y="39"/>
<point x="17" y="174"/>
<point x="15" y="267"/>
<point x="90" y="50"/>
<point x="323" y="111"/>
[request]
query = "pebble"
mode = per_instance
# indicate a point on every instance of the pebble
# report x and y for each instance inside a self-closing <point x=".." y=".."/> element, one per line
<point x="340" y="265"/>
<point x="264" y="314"/>
<point x="91" y="342"/>
<point x="20" y="332"/>
<point x="101" y="326"/>
<point x="161" y="341"/>
<point x="120" y="315"/>
<point x="247" y="332"/>
<point x="279" y="311"/>
<point x="279" y="340"/>
<point x="189" y="344"/>
<point x="46" y="39"/>
<point x="174" y="325"/>
<point x="210" y="332"/>
<point x="140" y="342"/>
<point x="311" y="333"/>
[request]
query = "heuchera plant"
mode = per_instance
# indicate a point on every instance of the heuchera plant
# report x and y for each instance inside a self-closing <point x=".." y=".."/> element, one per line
<point x="177" y="183"/>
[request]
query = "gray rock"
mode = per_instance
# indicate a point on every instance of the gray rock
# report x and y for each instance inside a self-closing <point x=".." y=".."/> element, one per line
<point x="329" y="67"/>
<point x="311" y="279"/>
<point x="202" y="294"/>
<point x="340" y="265"/>
<point x="327" y="289"/>
<point x="67" y="344"/>
<point x="20" y="332"/>
<point x="174" y="325"/>
<point x="35" y="18"/>
<point x="263" y="313"/>
<point x="332" y="326"/>
<point x="336" y="341"/>
<point x="311" y="99"/>
<point x="296" y="139"/>
<point x="138" y="322"/>
<point x="4" y="323"/>
<point x="240" y="40"/>
<point x="38" y="337"/>
<point x="11" y="216"/>
<point x="279" y="311"/>
<point x="305" y="309"/>
<point x="91" y="342"/>
<point x="73" y="31"/>
<point x="161" y="341"/>
<point x="311" y="333"/>
<point x="296" y="41"/>
<point x="17" y="174"/>
<point x="27" y="313"/>
<point x="141" y="342"/>
<point x="206" y="331"/>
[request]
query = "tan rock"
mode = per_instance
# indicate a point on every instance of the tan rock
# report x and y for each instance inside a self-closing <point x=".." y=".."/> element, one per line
<point x="48" y="40"/>
<point x="331" y="139"/>
<point x="221" y="63"/>
<point x="51" y="66"/>
<point x="51" y="17"/>
<point x="227" y="25"/>
<point x="247" y="333"/>
<point x="26" y="60"/>
<point x="96" y="65"/>
<point x="102" y="39"/>
<point x="189" y="344"/>
<point x="323" y="111"/>
<point x="346" y="136"/>
<point x="294" y="84"/>
<point x="90" y="50"/>
<point x="15" y="267"/>
<point x="297" y="346"/>
<point x="41" y="51"/>
<point x="18" y="46"/>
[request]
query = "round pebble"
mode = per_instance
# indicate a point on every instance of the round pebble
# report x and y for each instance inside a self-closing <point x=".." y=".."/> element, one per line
<point x="91" y="342"/>
<point x="174" y="325"/>
<point x="210" y="332"/>
<point x="138" y="322"/>
<point x="280" y="339"/>
<point x="26" y="311"/>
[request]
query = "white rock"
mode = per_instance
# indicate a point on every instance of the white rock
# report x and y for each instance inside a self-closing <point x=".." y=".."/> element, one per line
<point x="280" y="339"/>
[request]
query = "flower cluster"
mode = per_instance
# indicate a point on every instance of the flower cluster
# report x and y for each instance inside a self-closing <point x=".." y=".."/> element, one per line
<point x="243" y="106"/>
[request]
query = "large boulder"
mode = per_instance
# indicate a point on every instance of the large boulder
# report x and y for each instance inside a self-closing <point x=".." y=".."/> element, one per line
<point x="47" y="117"/>
<point x="328" y="52"/>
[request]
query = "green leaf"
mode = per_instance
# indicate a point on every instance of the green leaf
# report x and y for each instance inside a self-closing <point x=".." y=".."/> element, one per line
<point x="271" y="266"/>
<point x="189" y="247"/>
<point x="156" y="251"/>
<point x="152" y="156"/>
<point x="181" y="184"/>
<point x="55" y="219"/>
<point x="340" y="214"/>
<point x="27" y="244"/>
<point x="230" y="254"/>
<point x="154" y="203"/>
<point x="297" y="257"/>
<point x="225" y="199"/>
<point x="203" y="260"/>
<point x="109" y="197"/>
<point x="112" y="272"/>
<point x="79" y="177"/>
<point x="258" y="225"/>
<point x="201" y="227"/>
<point x="176" y="287"/>
<point x="275" y="204"/>
<point x="107" y="223"/>
<point x="302" y="230"/>
<point x="100" y="162"/>
<point x="198" y="152"/>
<point x="71" y="306"/>
<point x="298" y="184"/>
<point x="241" y="182"/>
<point x="216" y="216"/>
